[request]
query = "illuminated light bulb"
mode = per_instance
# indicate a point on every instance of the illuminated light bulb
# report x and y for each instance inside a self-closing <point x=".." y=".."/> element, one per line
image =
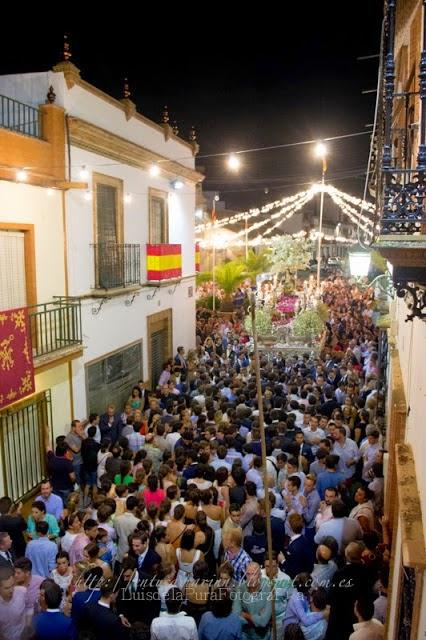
<point x="199" y="213"/>
<point x="128" y="198"/>
<point x="84" y="174"/>
<point x="88" y="196"/>
<point x="320" y="150"/>
<point x="217" y="198"/>
<point x="21" y="175"/>
<point x="233" y="162"/>
<point x="50" y="191"/>
<point x="177" y="184"/>
<point x="154" y="171"/>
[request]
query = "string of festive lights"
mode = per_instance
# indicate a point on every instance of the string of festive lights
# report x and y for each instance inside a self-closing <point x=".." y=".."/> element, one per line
<point x="358" y="202"/>
<point x="352" y="214"/>
<point x="251" y="213"/>
<point x="289" y="215"/>
<point x="316" y="188"/>
<point x="283" y="214"/>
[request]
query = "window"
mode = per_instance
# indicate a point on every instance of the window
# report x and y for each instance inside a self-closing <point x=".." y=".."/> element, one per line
<point x="110" y="379"/>
<point x="12" y="270"/>
<point x="108" y="232"/>
<point x="158" y="217"/>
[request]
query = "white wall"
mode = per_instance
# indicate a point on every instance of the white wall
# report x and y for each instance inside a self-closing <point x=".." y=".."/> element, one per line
<point x="411" y="342"/>
<point x="23" y="203"/>
<point x="32" y="88"/>
<point x="80" y="227"/>
<point x="117" y="325"/>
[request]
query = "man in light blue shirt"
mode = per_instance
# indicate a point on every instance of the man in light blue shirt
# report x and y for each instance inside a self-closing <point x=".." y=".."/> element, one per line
<point x="343" y="529"/>
<point x="42" y="551"/>
<point x="310" y="501"/>
<point x="331" y="477"/>
<point x="348" y="452"/>
<point x="52" y="502"/>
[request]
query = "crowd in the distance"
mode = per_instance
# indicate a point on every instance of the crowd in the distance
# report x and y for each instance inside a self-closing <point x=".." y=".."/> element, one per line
<point x="151" y="523"/>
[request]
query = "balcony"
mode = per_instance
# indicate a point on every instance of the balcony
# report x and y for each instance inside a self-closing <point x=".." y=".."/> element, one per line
<point x="116" y="266"/>
<point x="19" y="117"/>
<point x="55" y="330"/>
<point x="163" y="262"/>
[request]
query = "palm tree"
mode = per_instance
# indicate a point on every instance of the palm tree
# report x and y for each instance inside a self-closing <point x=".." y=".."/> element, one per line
<point x="228" y="277"/>
<point x="257" y="263"/>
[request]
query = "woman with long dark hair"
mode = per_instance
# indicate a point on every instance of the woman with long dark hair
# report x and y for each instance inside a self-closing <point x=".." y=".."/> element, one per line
<point x="187" y="555"/>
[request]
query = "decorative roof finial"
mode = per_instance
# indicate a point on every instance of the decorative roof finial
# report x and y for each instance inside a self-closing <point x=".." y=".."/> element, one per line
<point x="192" y="135"/>
<point x="175" y="128"/>
<point x="126" y="91"/>
<point x="165" y="117"/>
<point x="51" y="96"/>
<point x="67" y="49"/>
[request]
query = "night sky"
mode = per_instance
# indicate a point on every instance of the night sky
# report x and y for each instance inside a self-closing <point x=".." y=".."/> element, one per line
<point x="260" y="78"/>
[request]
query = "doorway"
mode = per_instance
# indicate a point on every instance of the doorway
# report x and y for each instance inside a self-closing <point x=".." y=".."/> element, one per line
<point x="160" y="342"/>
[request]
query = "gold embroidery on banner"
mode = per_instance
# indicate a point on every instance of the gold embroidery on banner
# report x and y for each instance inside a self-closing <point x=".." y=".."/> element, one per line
<point x="3" y="317"/>
<point x="6" y="353"/>
<point x="25" y="352"/>
<point x="26" y="382"/>
<point x="11" y="395"/>
<point x="18" y="317"/>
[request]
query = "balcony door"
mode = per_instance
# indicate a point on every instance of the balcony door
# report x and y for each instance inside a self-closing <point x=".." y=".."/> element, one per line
<point x="159" y="343"/>
<point x="17" y="266"/>
<point x="109" y="250"/>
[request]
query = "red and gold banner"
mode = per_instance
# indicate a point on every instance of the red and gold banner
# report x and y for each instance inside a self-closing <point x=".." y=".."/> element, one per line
<point x="163" y="261"/>
<point x="16" y="361"/>
<point x="197" y="257"/>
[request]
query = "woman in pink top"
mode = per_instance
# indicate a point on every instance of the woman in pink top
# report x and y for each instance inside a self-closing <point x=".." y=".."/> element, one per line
<point x="153" y="494"/>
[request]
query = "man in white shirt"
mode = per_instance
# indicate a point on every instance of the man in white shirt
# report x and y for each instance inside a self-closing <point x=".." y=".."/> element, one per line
<point x="367" y="627"/>
<point x="325" y="514"/>
<point x="174" y="623"/>
<point x="93" y="422"/>
<point x="124" y="525"/>
<point x="313" y="434"/>
<point x="369" y="451"/>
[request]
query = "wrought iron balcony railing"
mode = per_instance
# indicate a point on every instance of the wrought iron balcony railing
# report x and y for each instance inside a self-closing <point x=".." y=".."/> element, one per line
<point x="402" y="197"/>
<point x="116" y="265"/>
<point x="403" y="209"/>
<point x="55" y="326"/>
<point x="20" y="117"/>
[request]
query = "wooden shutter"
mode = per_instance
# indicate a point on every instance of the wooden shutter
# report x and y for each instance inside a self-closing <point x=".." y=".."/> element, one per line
<point x="13" y="290"/>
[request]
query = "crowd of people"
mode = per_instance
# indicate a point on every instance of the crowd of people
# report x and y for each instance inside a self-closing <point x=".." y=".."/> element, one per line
<point x="152" y="520"/>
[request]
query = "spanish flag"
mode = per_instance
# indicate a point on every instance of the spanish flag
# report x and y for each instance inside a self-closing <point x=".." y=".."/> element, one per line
<point x="197" y="257"/>
<point x="163" y="261"/>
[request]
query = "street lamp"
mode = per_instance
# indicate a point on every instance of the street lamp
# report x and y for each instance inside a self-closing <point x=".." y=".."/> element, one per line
<point x="321" y="153"/>
<point x="359" y="261"/>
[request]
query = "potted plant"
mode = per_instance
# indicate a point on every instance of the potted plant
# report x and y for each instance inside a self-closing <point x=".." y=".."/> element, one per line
<point x="264" y="325"/>
<point x="308" y="325"/>
<point x="228" y="277"/>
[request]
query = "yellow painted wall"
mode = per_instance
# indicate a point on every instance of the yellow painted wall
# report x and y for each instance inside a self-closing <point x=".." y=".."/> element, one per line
<point x="56" y="379"/>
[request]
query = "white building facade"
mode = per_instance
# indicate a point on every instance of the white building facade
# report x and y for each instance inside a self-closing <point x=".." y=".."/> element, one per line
<point x="105" y="228"/>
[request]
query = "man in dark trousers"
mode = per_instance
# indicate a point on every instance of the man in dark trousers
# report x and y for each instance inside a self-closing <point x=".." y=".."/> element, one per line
<point x="110" y="424"/>
<point x="138" y="598"/>
<point x="299" y="556"/>
<point x="349" y="584"/>
<point x="100" y="619"/>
